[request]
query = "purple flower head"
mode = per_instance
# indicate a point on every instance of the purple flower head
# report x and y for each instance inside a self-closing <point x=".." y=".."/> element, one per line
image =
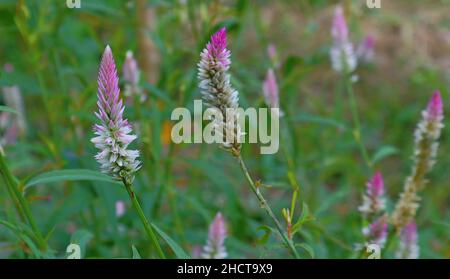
<point x="375" y="187"/>
<point x="366" y="49"/>
<point x="272" y="52"/>
<point x="377" y="231"/>
<point x="113" y="135"/>
<point x="216" y="49"/>
<point x="120" y="208"/>
<point x="215" y="248"/>
<point x="373" y="200"/>
<point x="8" y="67"/>
<point x="435" y="108"/>
<point x="130" y="69"/>
<point x="339" y="30"/>
<point x="409" y="248"/>
<point x="270" y="89"/>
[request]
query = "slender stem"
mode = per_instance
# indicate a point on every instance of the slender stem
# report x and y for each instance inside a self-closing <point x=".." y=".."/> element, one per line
<point x="266" y="206"/>
<point x="145" y="222"/>
<point x="357" y="126"/>
<point x="23" y="207"/>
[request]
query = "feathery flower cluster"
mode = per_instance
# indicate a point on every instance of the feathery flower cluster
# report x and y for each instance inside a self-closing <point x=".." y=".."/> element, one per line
<point x="113" y="134"/>
<point x="366" y="50"/>
<point x="426" y="145"/>
<point x="373" y="200"/>
<point x="215" y="248"/>
<point x="342" y="53"/>
<point x="376" y="232"/>
<point x="217" y="93"/>
<point x="131" y="76"/>
<point x="373" y="208"/>
<point x="409" y="248"/>
<point x="270" y="90"/>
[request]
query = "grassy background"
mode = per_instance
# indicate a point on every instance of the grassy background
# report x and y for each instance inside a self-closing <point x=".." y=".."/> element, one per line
<point x="56" y="51"/>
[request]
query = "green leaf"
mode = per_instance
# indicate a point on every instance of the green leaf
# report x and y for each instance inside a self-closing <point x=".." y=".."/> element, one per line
<point x="136" y="254"/>
<point x="307" y="248"/>
<point x="69" y="175"/>
<point x="179" y="252"/>
<point x="265" y="237"/>
<point x="305" y="217"/>
<point x="8" y="109"/>
<point x="384" y="152"/>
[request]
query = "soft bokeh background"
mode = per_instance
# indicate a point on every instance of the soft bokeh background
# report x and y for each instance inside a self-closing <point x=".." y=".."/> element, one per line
<point x="55" y="52"/>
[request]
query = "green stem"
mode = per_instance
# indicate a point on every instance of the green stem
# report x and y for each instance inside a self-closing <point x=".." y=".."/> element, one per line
<point x="22" y="204"/>
<point x="266" y="206"/>
<point x="145" y="222"/>
<point x="357" y="126"/>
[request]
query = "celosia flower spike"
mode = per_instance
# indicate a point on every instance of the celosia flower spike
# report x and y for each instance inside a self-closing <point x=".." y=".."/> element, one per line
<point x="131" y="75"/>
<point x="376" y="232"/>
<point x="408" y="248"/>
<point x="366" y="50"/>
<point x="113" y="133"/>
<point x="217" y="93"/>
<point x="426" y="145"/>
<point x="215" y="248"/>
<point x="373" y="201"/>
<point x="343" y="57"/>
<point x="270" y="90"/>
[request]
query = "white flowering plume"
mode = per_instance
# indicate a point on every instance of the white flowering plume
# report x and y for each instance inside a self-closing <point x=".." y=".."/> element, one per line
<point x="426" y="145"/>
<point x="215" y="248"/>
<point x="217" y="93"/>
<point x="342" y="53"/>
<point x="113" y="133"/>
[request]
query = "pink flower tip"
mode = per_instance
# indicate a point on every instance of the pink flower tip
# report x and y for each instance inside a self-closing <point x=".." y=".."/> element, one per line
<point x="435" y="106"/>
<point x="409" y="232"/>
<point x="339" y="29"/>
<point x="217" y="228"/>
<point x="218" y="42"/>
<point x="369" y="42"/>
<point x="376" y="185"/>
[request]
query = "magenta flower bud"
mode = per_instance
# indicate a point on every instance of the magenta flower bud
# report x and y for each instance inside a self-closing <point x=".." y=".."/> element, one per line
<point x="342" y="54"/>
<point x="339" y="29"/>
<point x="376" y="232"/>
<point x="113" y="133"/>
<point x="120" y="208"/>
<point x="215" y="248"/>
<point x="366" y="50"/>
<point x="373" y="200"/>
<point x="270" y="90"/>
<point x="130" y="69"/>
<point x="408" y="248"/>
<point x="435" y="110"/>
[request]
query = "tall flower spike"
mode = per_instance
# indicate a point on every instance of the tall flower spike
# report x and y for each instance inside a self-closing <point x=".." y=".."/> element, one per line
<point x="376" y="232"/>
<point x="366" y="49"/>
<point x="217" y="93"/>
<point x="342" y="54"/>
<point x="113" y="133"/>
<point x="131" y="75"/>
<point x="408" y="248"/>
<point x="270" y="90"/>
<point x="215" y="248"/>
<point x="373" y="201"/>
<point x="426" y="145"/>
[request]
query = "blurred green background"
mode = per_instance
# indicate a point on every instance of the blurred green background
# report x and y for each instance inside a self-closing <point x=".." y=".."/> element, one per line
<point x="55" y="52"/>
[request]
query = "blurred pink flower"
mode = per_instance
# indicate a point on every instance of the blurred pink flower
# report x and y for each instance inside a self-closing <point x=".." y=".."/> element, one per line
<point x="373" y="200"/>
<point x="376" y="232"/>
<point x="366" y="50"/>
<point x="120" y="208"/>
<point x="215" y="248"/>
<point x="270" y="90"/>
<point x="408" y="247"/>
<point x="131" y="76"/>
<point x="342" y="54"/>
